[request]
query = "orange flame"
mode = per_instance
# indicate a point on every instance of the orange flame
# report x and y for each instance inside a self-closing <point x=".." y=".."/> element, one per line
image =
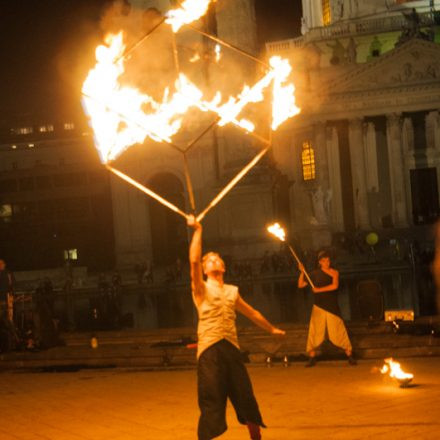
<point x="189" y="11"/>
<point x="117" y="112"/>
<point x="119" y="121"/>
<point x="393" y="369"/>
<point x="276" y="230"/>
<point x="218" y="53"/>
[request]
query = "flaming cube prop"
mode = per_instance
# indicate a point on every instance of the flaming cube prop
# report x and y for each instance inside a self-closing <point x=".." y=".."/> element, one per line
<point x="119" y="119"/>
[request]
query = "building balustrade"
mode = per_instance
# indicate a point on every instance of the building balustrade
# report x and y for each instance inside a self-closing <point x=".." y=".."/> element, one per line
<point x="346" y="29"/>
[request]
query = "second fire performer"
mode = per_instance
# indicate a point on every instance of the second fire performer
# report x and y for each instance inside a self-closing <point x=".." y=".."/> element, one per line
<point x="325" y="312"/>
<point x="221" y="373"/>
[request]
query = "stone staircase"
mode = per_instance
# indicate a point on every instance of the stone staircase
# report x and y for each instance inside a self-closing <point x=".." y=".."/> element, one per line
<point x="171" y="348"/>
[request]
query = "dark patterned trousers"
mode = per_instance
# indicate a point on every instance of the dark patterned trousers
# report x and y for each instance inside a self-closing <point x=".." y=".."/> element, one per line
<point x="221" y="375"/>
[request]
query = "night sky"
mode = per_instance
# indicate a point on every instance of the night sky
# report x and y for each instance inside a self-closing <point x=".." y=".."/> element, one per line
<point x="47" y="48"/>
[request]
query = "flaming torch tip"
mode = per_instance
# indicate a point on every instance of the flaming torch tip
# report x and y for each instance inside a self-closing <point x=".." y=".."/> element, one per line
<point x="276" y="230"/>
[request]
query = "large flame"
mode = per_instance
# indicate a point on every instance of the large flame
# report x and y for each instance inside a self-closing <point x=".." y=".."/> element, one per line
<point x="283" y="104"/>
<point x="189" y="11"/>
<point x="117" y="112"/>
<point x="393" y="369"/>
<point x="276" y="230"/>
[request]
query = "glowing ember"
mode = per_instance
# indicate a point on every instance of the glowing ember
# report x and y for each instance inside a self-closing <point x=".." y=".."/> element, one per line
<point x="189" y="11"/>
<point x="278" y="231"/>
<point x="393" y="369"/>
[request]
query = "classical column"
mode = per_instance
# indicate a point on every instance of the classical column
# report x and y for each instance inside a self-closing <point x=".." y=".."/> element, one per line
<point x="430" y="129"/>
<point x="312" y="13"/>
<point x="397" y="170"/>
<point x="370" y="150"/>
<point x="321" y="154"/>
<point x="334" y="177"/>
<point x="237" y="23"/>
<point x="321" y="193"/>
<point x="372" y="174"/>
<point x="437" y="130"/>
<point x="358" y="172"/>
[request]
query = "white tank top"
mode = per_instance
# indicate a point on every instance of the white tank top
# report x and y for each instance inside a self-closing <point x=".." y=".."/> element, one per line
<point x="216" y="315"/>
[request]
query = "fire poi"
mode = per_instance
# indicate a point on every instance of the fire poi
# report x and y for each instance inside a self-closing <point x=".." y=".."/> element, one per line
<point x="119" y="120"/>
<point x="393" y="369"/>
<point x="277" y="231"/>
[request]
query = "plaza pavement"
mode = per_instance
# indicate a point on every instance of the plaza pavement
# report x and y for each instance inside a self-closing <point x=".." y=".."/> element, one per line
<point x="331" y="401"/>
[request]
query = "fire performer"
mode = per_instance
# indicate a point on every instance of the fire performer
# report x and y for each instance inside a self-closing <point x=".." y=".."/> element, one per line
<point x="325" y="312"/>
<point x="221" y="371"/>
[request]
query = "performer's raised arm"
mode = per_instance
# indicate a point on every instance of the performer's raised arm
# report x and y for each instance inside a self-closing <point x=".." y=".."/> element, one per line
<point x="195" y="260"/>
<point x="301" y="280"/>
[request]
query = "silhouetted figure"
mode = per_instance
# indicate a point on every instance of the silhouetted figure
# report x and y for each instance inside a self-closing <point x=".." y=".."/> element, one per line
<point x="8" y="334"/>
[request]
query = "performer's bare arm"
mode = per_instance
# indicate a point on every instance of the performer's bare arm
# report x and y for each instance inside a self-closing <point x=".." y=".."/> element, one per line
<point x="334" y="284"/>
<point x="195" y="261"/>
<point x="302" y="280"/>
<point x="256" y="317"/>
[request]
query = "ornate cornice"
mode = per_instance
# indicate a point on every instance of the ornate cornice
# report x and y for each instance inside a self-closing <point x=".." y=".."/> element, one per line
<point x="415" y="63"/>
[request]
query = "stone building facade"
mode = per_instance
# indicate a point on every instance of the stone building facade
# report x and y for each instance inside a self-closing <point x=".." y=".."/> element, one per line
<point x="369" y="88"/>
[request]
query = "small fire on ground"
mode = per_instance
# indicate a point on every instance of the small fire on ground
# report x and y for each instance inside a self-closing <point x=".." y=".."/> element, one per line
<point x="395" y="371"/>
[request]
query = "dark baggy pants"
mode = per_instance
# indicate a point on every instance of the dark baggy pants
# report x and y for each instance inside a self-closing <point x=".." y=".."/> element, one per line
<point x="222" y="374"/>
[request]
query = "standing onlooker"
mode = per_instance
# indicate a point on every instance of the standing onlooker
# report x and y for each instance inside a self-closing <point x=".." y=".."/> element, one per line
<point x="436" y="265"/>
<point x="6" y="293"/>
<point x="9" y="337"/>
<point x="325" y="312"/>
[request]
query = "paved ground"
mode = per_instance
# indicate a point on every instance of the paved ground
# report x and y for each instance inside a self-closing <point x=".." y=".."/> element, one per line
<point x="330" y="401"/>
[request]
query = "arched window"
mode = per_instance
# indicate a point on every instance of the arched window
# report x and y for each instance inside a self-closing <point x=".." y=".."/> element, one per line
<point x="326" y="13"/>
<point x="308" y="161"/>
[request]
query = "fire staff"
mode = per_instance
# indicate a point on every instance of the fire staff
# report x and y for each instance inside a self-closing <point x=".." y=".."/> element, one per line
<point x="325" y="312"/>
<point x="221" y="373"/>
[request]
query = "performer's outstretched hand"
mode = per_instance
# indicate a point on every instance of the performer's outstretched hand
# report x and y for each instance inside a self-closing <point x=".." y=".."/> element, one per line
<point x="278" y="332"/>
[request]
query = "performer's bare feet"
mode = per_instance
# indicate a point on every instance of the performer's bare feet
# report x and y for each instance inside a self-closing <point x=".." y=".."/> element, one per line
<point x="254" y="431"/>
<point x="311" y="362"/>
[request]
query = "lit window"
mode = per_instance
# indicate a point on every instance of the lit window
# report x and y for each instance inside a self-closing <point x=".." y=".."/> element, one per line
<point x="5" y="213"/>
<point x="31" y="145"/>
<point x="23" y="130"/>
<point x="71" y="254"/>
<point x="46" y="128"/>
<point x="326" y="14"/>
<point x="14" y="147"/>
<point x="69" y="126"/>
<point x="308" y="161"/>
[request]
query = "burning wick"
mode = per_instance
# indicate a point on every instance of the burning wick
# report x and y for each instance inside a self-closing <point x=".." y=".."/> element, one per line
<point x="393" y="369"/>
<point x="277" y="231"/>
